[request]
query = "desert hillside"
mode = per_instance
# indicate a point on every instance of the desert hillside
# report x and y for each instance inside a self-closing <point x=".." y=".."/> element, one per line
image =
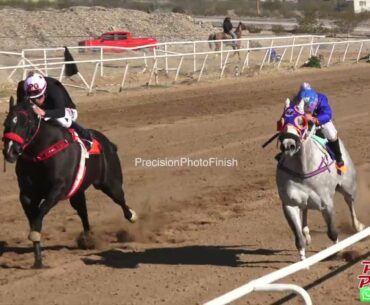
<point x="52" y="28"/>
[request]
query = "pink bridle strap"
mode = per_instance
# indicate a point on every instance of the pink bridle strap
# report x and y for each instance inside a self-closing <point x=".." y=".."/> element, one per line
<point x="13" y="137"/>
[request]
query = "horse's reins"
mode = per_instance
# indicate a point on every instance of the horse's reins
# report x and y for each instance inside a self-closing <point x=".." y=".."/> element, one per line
<point x="17" y="138"/>
<point x="270" y="140"/>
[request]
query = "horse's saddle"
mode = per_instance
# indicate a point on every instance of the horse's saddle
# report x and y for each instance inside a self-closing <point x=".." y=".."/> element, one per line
<point x="228" y="36"/>
<point x="95" y="147"/>
<point x="323" y="143"/>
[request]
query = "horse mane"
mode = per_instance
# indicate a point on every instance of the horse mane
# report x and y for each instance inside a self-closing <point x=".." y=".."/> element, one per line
<point x="23" y="105"/>
<point x="240" y="27"/>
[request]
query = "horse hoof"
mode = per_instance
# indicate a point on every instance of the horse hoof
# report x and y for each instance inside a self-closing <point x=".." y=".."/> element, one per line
<point x="306" y="233"/>
<point x="308" y="240"/>
<point x="34" y="236"/>
<point x="360" y="227"/>
<point x="134" y="217"/>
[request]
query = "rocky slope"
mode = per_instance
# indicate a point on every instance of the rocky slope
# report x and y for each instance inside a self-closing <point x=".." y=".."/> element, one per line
<point x="53" y="28"/>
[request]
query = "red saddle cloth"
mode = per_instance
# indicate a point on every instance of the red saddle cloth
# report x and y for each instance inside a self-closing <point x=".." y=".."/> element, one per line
<point x="95" y="148"/>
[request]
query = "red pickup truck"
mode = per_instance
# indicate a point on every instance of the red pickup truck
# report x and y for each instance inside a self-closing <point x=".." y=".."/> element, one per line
<point x="117" y="39"/>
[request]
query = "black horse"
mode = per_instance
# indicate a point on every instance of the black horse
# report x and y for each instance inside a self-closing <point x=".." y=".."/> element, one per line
<point x="48" y="162"/>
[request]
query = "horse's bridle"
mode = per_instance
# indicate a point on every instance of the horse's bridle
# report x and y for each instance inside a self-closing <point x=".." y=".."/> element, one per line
<point x="13" y="136"/>
<point x="303" y="134"/>
<point x="290" y="117"/>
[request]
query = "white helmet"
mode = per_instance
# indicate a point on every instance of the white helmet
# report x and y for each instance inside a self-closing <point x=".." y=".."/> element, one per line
<point x="34" y="85"/>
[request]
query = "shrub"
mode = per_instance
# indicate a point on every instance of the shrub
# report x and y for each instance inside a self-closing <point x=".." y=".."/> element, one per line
<point x="313" y="62"/>
<point x="277" y="29"/>
<point x="309" y="24"/>
<point x="253" y="29"/>
<point x="346" y="22"/>
<point x="179" y="10"/>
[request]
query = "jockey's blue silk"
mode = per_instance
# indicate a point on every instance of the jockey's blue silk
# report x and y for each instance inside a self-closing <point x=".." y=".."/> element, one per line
<point x="322" y="111"/>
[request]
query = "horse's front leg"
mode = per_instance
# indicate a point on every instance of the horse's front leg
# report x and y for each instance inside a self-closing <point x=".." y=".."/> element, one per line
<point x="328" y="214"/>
<point x="78" y="202"/>
<point x="293" y="216"/>
<point x="305" y="229"/>
<point x="36" y="225"/>
<point x="30" y="204"/>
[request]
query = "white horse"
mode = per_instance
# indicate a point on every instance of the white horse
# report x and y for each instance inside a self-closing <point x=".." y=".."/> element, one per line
<point x="307" y="177"/>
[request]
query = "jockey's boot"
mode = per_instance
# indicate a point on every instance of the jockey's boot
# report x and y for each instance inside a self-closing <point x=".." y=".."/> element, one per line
<point x="84" y="134"/>
<point x="335" y="147"/>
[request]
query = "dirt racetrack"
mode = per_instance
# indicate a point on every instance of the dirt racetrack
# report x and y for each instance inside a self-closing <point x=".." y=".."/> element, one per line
<point x="201" y="231"/>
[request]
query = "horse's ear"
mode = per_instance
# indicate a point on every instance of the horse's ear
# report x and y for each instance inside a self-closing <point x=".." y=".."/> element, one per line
<point x="287" y="103"/>
<point x="301" y="106"/>
<point x="11" y="103"/>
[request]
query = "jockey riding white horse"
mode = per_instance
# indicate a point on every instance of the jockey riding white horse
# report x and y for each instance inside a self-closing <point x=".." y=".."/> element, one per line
<point x="307" y="177"/>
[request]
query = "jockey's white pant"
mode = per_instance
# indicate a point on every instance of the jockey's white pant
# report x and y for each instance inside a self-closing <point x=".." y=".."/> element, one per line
<point x="70" y="115"/>
<point x="329" y="131"/>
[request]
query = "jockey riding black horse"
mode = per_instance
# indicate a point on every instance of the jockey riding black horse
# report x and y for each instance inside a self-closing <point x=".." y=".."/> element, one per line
<point x="51" y="166"/>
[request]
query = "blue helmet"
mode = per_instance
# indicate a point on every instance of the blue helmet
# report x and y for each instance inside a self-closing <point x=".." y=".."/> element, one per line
<point x="309" y="96"/>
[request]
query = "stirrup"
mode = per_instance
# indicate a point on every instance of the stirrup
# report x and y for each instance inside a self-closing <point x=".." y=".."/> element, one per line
<point x="88" y="144"/>
<point x="341" y="168"/>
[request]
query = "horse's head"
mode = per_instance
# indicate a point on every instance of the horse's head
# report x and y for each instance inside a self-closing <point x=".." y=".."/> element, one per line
<point x="19" y="129"/>
<point x="243" y="27"/>
<point x="293" y="126"/>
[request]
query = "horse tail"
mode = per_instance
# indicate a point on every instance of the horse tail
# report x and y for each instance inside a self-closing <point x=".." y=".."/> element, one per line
<point x="114" y="146"/>
<point x="107" y="145"/>
<point x="210" y="38"/>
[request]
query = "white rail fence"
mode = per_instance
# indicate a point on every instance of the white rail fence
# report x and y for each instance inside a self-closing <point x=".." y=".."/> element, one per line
<point x="265" y="283"/>
<point x="169" y="62"/>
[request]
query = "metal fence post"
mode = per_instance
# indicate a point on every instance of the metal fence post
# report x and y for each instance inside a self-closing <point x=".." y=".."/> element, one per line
<point x="345" y="52"/>
<point x="152" y="72"/>
<point x="331" y="54"/>
<point x="292" y="51"/>
<point x="101" y="61"/>
<point x="298" y="57"/>
<point x="270" y="51"/>
<point x="224" y="65"/>
<point x="311" y="46"/>
<point x="178" y="69"/>
<point x="201" y="70"/>
<point x="264" y="59"/>
<point x="61" y="73"/>
<point x="194" y="58"/>
<point x="166" y="58"/>
<point x="281" y="58"/>
<point x="124" y="77"/>
<point x="221" y="54"/>
<point x="359" y="52"/>
<point x="246" y="60"/>
<point x="93" y="78"/>
<point x="45" y="63"/>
